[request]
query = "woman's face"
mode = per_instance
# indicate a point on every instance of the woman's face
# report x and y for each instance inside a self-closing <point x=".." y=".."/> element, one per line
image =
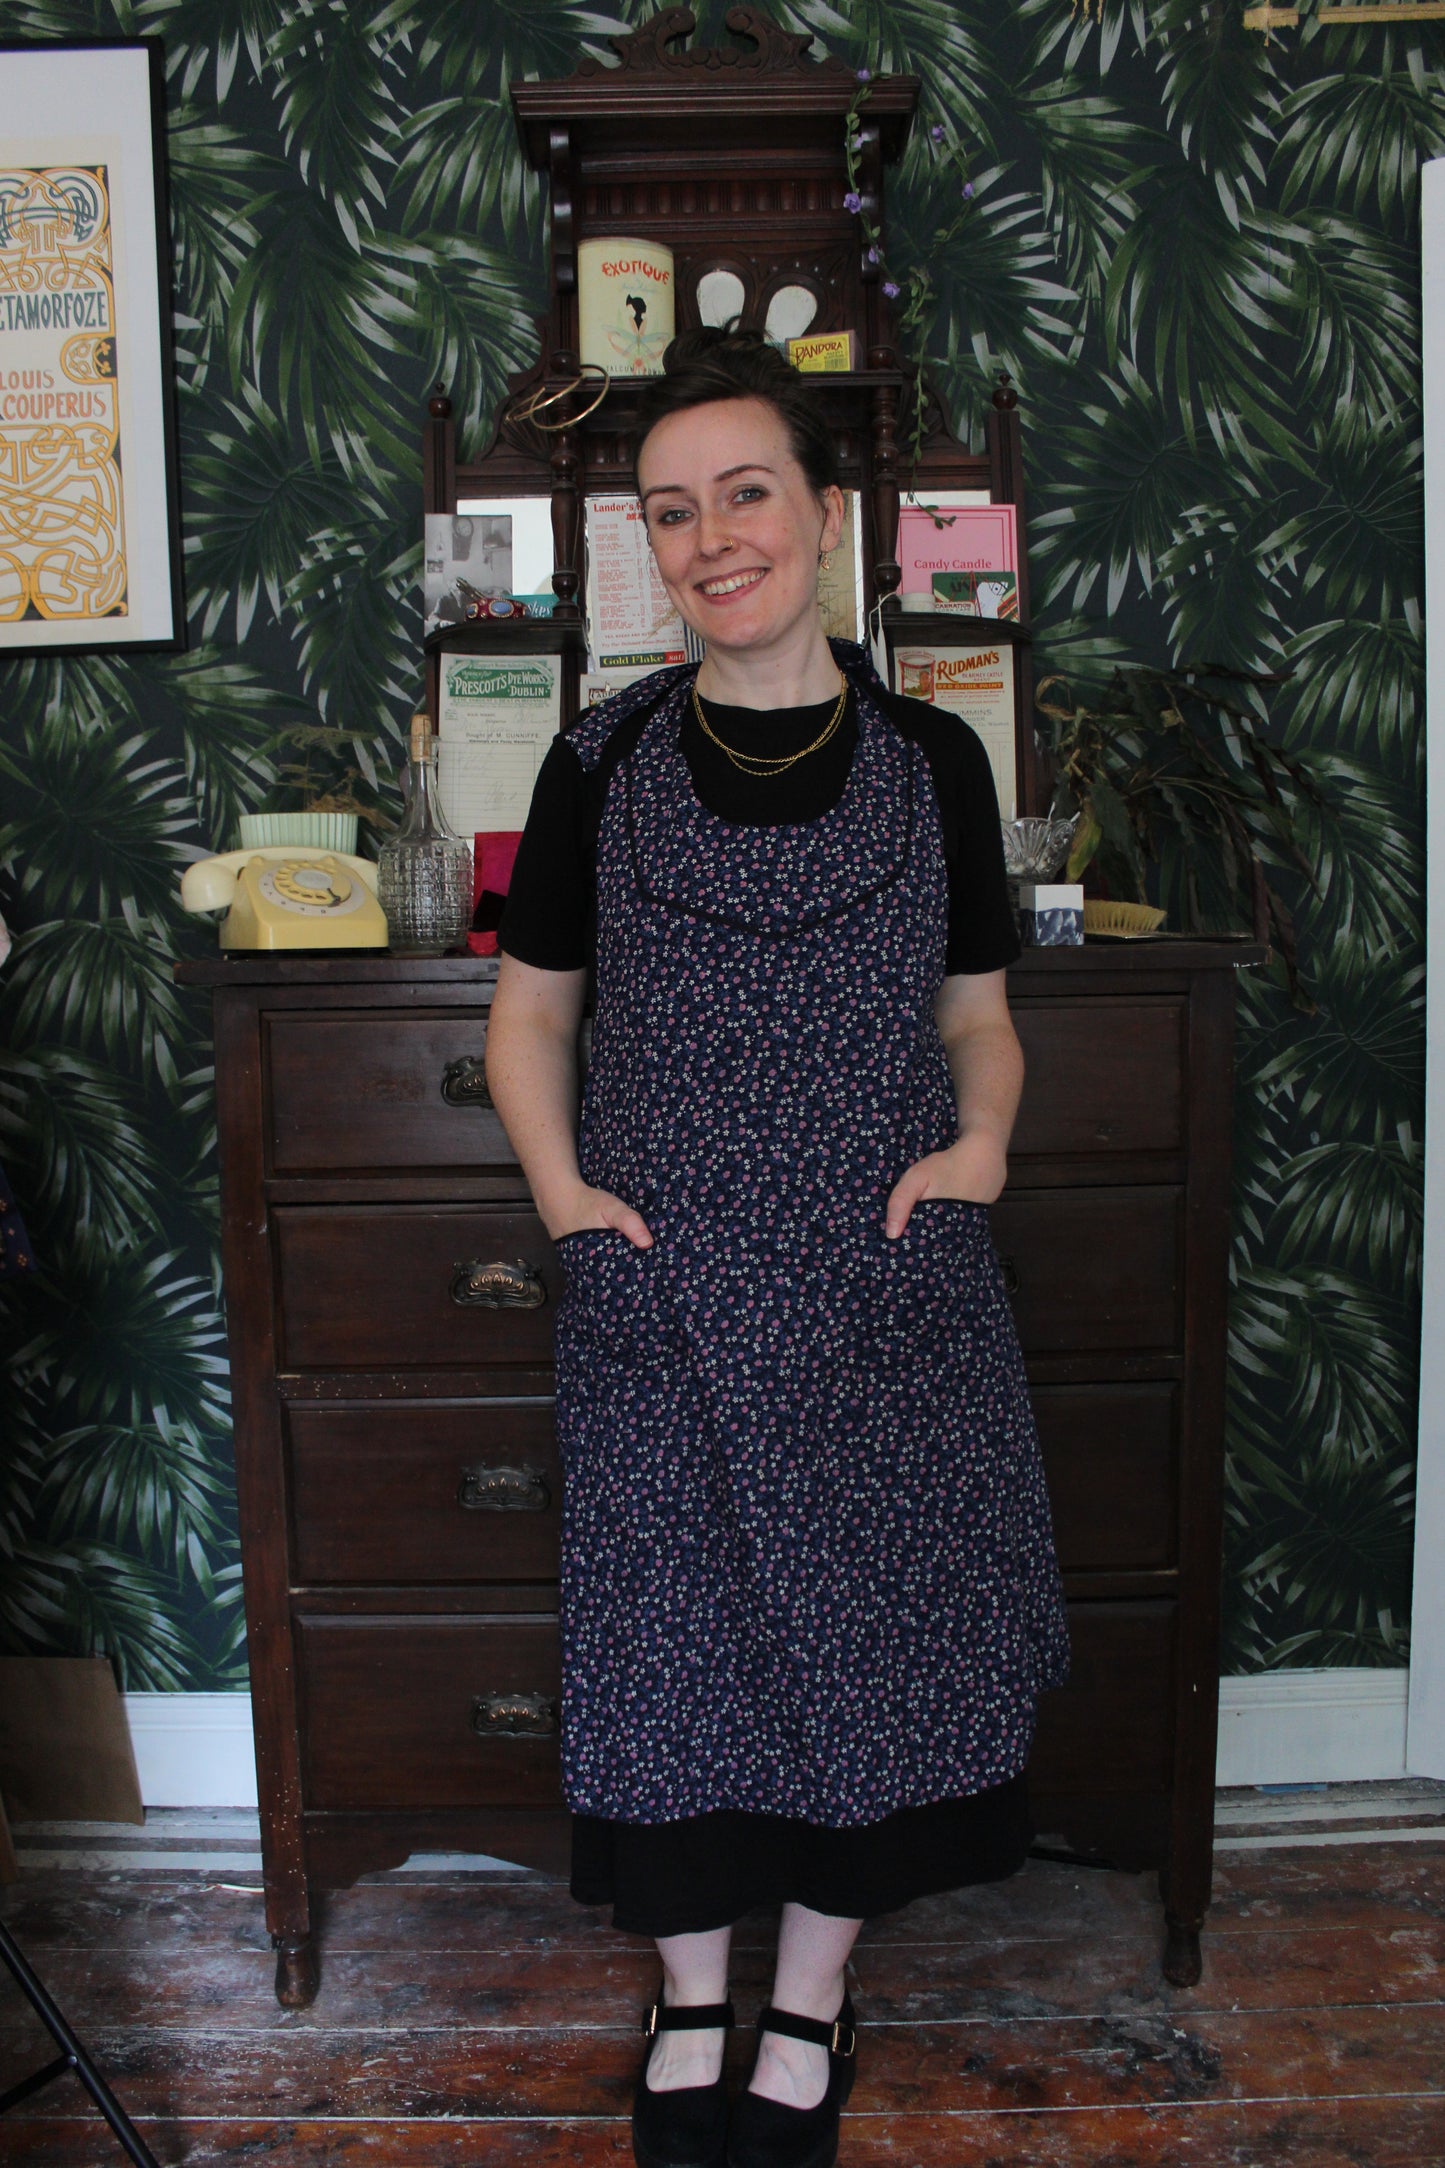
<point x="735" y="524"/>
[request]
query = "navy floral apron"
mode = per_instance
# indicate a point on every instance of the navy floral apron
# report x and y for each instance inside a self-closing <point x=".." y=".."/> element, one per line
<point x="808" y="1567"/>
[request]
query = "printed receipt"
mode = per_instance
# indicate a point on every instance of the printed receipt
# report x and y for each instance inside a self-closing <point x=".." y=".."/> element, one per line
<point x="497" y="720"/>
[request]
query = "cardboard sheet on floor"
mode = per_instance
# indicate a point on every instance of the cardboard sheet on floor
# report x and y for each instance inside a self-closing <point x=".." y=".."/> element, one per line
<point x="65" y="1751"/>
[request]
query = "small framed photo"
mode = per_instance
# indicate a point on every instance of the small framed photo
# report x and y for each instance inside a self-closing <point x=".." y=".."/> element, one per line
<point x="89" y="504"/>
<point x="468" y="558"/>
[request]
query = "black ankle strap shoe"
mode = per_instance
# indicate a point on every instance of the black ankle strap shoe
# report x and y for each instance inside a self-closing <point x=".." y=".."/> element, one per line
<point x="686" y="2128"/>
<point x="764" y="2133"/>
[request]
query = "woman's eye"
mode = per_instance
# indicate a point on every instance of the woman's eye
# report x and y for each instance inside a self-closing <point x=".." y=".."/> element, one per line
<point x="672" y="517"/>
<point x="749" y="491"/>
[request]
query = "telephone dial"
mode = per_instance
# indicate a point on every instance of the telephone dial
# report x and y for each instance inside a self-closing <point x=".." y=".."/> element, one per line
<point x="286" y="896"/>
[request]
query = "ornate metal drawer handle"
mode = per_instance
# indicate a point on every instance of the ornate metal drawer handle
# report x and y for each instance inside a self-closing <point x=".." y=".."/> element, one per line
<point x="504" y="1490"/>
<point x="498" y="1286"/>
<point x="1011" y="1280"/>
<point x="514" y="1716"/>
<point x="464" y="1083"/>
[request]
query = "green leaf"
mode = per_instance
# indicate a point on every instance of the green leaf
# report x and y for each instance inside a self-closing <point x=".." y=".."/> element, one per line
<point x="355" y="603"/>
<point x="1357" y="538"/>
<point x="339" y="72"/>
<point x="1330" y="1345"/>
<point x="1359" y="1062"/>
<point x="1348" y="137"/>
<point x="1360" y="1204"/>
<point x="1226" y="593"/>
<point x="72" y="1129"/>
<point x="151" y="1485"/>
<point x="932" y="39"/>
<point x="1220" y="96"/>
<point x="464" y="164"/>
<point x="1358" y="684"/>
<point x="261" y="498"/>
<point x="1353" y="293"/>
<point x="542" y="38"/>
<point x="1367" y="846"/>
<point x="103" y="984"/>
<point x="140" y="1344"/>
<point x="218" y="181"/>
<point x="998" y="293"/>
<point x="1128" y="468"/>
<point x="1087" y="838"/>
<point x="1107" y="20"/>
<point x="99" y="824"/>
<point x="1088" y="151"/>
<point x="1193" y="300"/>
<point x="215" y="36"/>
<point x="118" y="1607"/>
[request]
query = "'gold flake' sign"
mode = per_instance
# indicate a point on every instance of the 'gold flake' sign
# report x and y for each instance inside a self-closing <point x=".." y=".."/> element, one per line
<point x="62" y="537"/>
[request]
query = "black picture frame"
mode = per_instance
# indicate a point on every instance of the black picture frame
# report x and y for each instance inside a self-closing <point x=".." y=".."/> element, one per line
<point x="147" y="469"/>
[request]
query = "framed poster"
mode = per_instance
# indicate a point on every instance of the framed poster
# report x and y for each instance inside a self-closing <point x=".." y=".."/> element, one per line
<point x="89" y="519"/>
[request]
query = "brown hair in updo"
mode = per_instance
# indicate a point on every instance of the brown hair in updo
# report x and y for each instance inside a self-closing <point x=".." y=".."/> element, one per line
<point x="702" y="366"/>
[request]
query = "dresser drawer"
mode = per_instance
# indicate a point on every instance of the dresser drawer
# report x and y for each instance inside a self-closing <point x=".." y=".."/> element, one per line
<point x="1093" y="1268"/>
<point x="1110" y="1459"/>
<point x="406" y="1493"/>
<point x="408" y="1712"/>
<point x="1111" y="1727"/>
<point x="376" y="1287"/>
<point x="372" y="1089"/>
<point x="1101" y="1076"/>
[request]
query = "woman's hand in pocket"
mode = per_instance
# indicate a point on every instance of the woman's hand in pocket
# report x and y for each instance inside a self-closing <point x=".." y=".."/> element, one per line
<point x="973" y="1170"/>
<point x="589" y="1208"/>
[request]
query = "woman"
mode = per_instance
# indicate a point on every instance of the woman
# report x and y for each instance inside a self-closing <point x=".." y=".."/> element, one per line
<point x="809" y="1593"/>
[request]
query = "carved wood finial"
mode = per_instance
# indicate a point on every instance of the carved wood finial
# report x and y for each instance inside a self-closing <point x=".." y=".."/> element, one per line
<point x="657" y="47"/>
<point x="439" y="406"/>
<point x="1005" y="395"/>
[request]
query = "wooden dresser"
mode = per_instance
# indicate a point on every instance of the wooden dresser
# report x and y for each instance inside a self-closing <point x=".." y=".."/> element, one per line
<point x="395" y="1460"/>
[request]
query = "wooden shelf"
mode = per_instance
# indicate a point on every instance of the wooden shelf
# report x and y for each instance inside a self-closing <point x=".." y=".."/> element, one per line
<point x="942" y="628"/>
<point x="510" y="636"/>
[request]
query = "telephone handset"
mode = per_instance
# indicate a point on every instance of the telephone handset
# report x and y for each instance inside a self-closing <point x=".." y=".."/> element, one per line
<point x="285" y="896"/>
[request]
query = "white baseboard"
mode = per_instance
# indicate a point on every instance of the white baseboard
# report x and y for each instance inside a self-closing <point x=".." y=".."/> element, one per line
<point x="193" y="1750"/>
<point x="1312" y="1727"/>
<point x="1279" y="1727"/>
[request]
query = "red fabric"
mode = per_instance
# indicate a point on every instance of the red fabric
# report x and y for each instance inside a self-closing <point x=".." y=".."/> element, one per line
<point x="494" y="853"/>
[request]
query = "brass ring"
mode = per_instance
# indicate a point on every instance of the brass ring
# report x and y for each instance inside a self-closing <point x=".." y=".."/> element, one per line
<point x="527" y="410"/>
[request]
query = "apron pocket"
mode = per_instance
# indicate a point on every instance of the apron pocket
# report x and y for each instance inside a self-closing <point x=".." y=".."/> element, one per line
<point x="613" y="1305"/>
<point x="925" y="1284"/>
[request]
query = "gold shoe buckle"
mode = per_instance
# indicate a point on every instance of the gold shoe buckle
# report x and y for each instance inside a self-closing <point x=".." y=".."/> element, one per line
<point x="839" y="2029"/>
<point x="651" y="2030"/>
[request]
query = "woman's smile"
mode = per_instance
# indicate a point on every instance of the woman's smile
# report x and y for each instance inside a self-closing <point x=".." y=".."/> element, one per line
<point x="732" y="583"/>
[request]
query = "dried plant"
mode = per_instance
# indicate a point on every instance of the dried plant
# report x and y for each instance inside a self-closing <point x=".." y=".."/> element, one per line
<point x="1177" y="788"/>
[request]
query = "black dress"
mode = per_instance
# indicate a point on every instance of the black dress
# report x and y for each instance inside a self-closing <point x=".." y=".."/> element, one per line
<point x="691" y="1876"/>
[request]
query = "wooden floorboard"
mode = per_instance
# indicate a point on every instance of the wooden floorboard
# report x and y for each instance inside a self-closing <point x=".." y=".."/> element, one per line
<point x="1024" y="2025"/>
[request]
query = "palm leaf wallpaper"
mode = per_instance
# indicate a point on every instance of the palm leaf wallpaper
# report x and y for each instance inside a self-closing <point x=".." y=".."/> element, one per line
<point x="1197" y="254"/>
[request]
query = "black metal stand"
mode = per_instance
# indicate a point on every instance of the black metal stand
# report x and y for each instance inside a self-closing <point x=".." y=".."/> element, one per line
<point x="74" y="2058"/>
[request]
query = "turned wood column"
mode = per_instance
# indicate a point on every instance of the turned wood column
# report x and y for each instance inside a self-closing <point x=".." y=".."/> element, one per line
<point x="884" y="464"/>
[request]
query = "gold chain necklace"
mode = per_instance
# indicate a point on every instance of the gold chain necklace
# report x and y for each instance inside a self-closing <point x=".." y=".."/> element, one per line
<point x="767" y="763"/>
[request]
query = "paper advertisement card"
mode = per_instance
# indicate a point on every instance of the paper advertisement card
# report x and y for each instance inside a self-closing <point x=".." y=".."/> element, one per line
<point x="631" y="623"/>
<point x="978" y="538"/>
<point x="977" y="684"/>
<point x="497" y="718"/>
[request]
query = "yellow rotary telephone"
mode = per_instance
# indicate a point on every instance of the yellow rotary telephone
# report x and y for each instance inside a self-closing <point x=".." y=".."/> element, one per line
<point x="288" y="897"/>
